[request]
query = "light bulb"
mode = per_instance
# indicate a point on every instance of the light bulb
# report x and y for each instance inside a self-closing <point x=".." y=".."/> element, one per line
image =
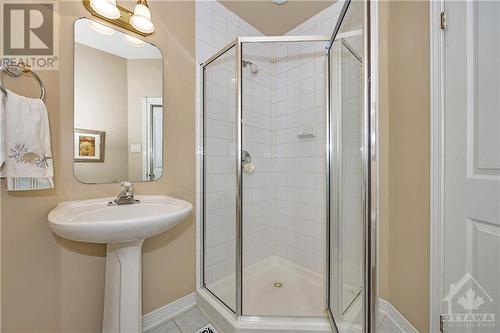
<point x="141" y="20"/>
<point x="106" y="8"/>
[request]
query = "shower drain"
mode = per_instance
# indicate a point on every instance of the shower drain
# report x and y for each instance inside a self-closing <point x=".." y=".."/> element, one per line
<point x="278" y="284"/>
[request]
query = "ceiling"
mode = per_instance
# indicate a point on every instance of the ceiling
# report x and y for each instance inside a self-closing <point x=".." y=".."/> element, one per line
<point x="272" y="19"/>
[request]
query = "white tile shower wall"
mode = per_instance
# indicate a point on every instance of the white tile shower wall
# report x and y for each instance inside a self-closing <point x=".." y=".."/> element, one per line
<point x="299" y="168"/>
<point x="284" y="208"/>
<point x="216" y="26"/>
<point x="257" y="141"/>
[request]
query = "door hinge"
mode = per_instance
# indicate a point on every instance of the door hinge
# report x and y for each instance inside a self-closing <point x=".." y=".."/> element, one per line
<point x="443" y="20"/>
<point x="441" y="323"/>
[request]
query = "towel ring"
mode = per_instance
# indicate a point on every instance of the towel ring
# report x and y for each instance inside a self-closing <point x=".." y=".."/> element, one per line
<point x="17" y="71"/>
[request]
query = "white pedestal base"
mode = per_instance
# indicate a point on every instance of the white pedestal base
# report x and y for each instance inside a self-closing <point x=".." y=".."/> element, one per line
<point x="123" y="288"/>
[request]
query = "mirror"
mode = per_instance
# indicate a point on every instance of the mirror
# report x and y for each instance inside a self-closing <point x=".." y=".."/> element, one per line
<point x="118" y="110"/>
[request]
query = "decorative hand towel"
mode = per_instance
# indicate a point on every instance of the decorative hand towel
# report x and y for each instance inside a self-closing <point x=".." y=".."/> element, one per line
<point x="2" y="128"/>
<point x="26" y="145"/>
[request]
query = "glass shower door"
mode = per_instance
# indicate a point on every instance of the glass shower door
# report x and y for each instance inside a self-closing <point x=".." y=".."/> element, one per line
<point x="348" y="165"/>
<point x="219" y="177"/>
<point x="283" y="178"/>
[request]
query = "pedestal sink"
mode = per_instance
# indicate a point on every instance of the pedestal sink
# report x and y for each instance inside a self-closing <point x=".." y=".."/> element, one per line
<point x="123" y="228"/>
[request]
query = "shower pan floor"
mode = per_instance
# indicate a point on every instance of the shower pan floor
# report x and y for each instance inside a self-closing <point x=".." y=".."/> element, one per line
<point x="276" y="287"/>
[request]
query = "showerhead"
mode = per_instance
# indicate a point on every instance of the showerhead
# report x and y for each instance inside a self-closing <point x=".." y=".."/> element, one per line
<point x="253" y="67"/>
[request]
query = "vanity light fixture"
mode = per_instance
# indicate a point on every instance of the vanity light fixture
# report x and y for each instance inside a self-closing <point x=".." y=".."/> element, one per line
<point x="106" y="8"/>
<point x="138" y="21"/>
<point x="141" y="20"/>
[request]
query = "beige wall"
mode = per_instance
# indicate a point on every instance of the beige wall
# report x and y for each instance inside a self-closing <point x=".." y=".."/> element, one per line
<point x="144" y="79"/>
<point x="384" y="225"/>
<point x="54" y="285"/>
<point x="405" y="156"/>
<point x="102" y="106"/>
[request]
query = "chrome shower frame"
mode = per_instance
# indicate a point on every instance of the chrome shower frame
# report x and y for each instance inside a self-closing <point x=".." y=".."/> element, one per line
<point x="237" y="313"/>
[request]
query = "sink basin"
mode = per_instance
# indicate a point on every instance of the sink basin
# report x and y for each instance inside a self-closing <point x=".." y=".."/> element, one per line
<point x="124" y="229"/>
<point x="94" y="221"/>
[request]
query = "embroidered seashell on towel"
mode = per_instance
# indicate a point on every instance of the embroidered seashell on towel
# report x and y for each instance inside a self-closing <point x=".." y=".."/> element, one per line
<point x="25" y="155"/>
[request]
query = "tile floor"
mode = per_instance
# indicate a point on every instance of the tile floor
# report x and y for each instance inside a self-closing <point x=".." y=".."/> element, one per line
<point x="188" y="322"/>
<point x="192" y="320"/>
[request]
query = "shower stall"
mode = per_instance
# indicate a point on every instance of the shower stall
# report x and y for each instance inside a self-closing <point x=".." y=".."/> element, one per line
<point x="286" y="243"/>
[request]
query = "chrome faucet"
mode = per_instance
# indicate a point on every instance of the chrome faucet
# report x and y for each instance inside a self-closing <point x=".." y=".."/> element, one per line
<point x="126" y="196"/>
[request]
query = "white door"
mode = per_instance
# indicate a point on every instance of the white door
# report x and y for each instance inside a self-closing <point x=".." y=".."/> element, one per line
<point x="156" y="141"/>
<point x="153" y="138"/>
<point x="471" y="203"/>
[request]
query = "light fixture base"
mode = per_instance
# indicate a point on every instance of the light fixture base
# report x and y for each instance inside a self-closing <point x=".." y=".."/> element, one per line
<point x="123" y="21"/>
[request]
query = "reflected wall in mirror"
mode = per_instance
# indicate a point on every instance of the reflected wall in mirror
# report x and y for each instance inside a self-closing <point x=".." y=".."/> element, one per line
<point x="118" y="111"/>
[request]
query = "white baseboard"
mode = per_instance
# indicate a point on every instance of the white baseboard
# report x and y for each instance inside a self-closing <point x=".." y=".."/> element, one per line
<point x="172" y="310"/>
<point x="397" y="319"/>
<point x="167" y="312"/>
<point x="229" y="324"/>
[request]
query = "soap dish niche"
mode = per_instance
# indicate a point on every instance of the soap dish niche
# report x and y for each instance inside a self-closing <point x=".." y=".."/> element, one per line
<point x="306" y="132"/>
